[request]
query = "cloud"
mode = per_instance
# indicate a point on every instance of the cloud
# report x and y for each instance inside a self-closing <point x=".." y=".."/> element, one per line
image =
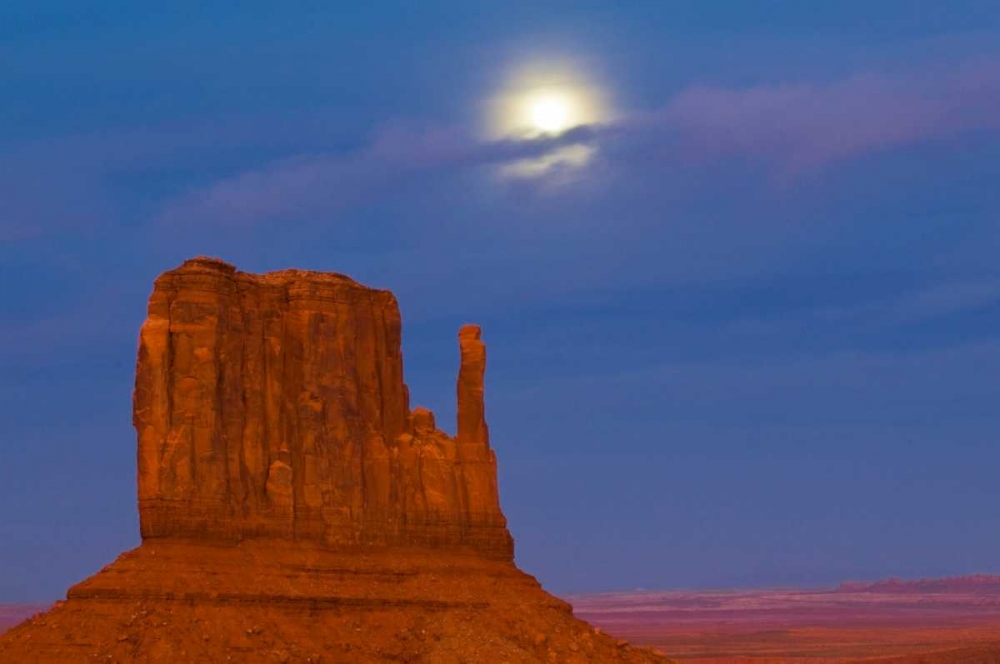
<point x="803" y="126"/>
<point x="74" y="184"/>
<point x="787" y="129"/>
<point x="790" y="128"/>
<point x="313" y="184"/>
<point x="680" y="194"/>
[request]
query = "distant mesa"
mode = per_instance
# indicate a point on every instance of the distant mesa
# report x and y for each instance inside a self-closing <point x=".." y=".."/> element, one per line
<point x="294" y="507"/>
<point x="929" y="621"/>
<point x="973" y="583"/>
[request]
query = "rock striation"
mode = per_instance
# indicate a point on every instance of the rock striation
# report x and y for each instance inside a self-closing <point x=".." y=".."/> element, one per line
<point x="293" y="507"/>
<point x="274" y="406"/>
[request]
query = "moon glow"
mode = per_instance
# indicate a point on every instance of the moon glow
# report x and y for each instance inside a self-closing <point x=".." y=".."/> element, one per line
<point x="545" y="100"/>
<point x="550" y="114"/>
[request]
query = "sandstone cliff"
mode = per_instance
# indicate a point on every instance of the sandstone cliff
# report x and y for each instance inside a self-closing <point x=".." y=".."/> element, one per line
<point x="274" y="406"/>
<point x="293" y="507"/>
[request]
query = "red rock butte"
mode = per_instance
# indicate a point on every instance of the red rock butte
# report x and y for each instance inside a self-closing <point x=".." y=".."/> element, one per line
<point x="294" y="508"/>
<point x="274" y="406"/>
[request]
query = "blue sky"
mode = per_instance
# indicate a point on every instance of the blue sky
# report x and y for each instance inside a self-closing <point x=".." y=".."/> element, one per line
<point x="752" y="340"/>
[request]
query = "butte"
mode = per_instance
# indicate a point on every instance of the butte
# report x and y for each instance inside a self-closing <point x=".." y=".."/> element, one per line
<point x="292" y="506"/>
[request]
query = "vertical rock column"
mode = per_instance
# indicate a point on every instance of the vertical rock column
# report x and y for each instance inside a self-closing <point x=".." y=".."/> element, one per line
<point x="477" y="460"/>
<point x="472" y="429"/>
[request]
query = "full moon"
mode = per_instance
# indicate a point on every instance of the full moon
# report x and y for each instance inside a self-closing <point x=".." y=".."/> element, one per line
<point x="540" y="99"/>
<point x="550" y="114"/>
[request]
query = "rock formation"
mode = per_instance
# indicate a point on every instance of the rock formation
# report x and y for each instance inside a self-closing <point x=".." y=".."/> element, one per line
<point x="274" y="406"/>
<point x="292" y="505"/>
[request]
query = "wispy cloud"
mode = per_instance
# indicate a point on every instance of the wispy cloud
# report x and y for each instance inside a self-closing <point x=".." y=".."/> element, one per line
<point x="788" y="128"/>
<point x="803" y="126"/>
<point x="310" y="184"/>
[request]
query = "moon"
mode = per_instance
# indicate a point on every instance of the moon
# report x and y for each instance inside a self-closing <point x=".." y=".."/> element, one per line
<point x="551" y="114"/>
<point x="544" y="100"/>
<point x="539" y="100"/>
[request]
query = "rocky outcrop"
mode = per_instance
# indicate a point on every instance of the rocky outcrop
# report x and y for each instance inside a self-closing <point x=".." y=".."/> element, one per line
<point x="293" y="507"/>
<point x="274" y="406"/>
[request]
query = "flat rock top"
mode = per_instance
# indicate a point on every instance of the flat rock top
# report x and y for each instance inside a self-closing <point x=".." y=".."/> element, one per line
<point x="209" y="264"/>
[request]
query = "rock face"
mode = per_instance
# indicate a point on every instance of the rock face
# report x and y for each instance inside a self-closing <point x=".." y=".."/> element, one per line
<point x="293" y="508"/>
<point x="274" y="406"/>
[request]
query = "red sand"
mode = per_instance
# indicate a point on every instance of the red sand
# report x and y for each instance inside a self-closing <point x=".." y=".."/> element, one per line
<point x="950" y="620"/>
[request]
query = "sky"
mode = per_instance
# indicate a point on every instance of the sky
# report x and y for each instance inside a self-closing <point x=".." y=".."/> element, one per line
<point x="742" y="321"/>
